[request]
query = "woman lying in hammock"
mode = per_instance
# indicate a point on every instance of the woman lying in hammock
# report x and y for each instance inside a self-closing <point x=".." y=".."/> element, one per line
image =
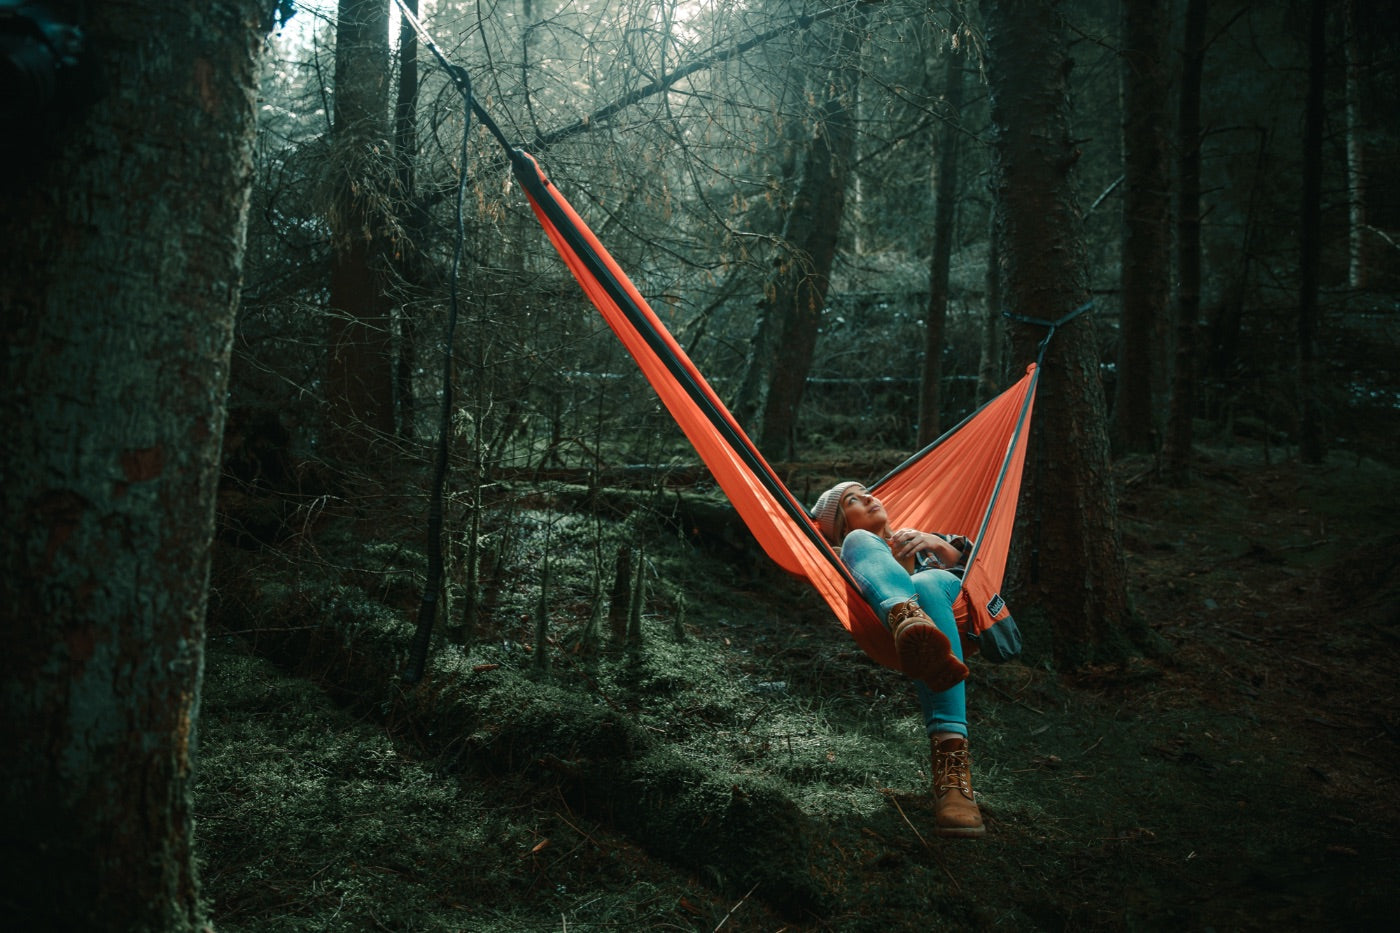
<point x="911" y="578"/>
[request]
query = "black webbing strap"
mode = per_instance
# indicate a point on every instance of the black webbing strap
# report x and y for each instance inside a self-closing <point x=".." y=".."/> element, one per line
<point x="457" y="73"/>
<point x="1051" y="326"/>
<point x="1033" y="571"/>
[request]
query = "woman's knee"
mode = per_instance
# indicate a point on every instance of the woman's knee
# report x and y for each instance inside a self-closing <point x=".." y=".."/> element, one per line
<point x="938" y="584"/>
<point x="861" y="545"/>
<point x="861" y="538"/>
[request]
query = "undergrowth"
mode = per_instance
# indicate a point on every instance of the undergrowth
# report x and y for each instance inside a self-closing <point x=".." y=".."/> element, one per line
<point x="749" y="769"/>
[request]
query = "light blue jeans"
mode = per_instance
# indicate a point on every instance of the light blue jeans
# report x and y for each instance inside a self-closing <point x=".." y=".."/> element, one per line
<point x="885" y="584"/>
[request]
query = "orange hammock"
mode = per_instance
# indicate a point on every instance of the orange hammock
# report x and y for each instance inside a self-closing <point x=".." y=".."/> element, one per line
<point x="965" y="483"/>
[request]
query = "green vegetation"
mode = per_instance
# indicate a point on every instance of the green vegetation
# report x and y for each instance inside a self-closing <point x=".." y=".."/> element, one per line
<point x="761" y="774"/>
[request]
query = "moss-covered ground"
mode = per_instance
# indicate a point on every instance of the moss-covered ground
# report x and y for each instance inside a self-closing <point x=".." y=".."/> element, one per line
<point x="745" y="768"/>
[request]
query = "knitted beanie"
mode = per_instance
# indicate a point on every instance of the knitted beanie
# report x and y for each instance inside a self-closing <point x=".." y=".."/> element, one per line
<point x="828" y="514"/>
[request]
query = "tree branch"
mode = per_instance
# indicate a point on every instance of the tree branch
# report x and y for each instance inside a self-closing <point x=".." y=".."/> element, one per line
<point x="669" y="80"/>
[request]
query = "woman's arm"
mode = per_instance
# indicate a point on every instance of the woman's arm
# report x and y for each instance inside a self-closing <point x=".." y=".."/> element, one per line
<point x="908" y="543"/>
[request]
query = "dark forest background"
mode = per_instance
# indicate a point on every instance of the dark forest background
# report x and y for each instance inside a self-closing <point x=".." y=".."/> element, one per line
<point x="265" y="270"/>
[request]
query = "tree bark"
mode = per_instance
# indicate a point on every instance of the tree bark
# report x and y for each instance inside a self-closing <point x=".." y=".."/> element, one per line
<point x="1146" y="222"/>
<point x="118" y="283"/>
<point x="1311" y="442"/>
<point x="1073" y="561"/>
<point x="1220" y="361"/>
<point x="360" y="372"/>
<point x="1357" y="273"/>
<point x="796" y="294"/>
<point x="936" y="315"/>
<point x="1176" y="453"/>
<point x="414" y="220"/>
<point x="990" y="368"/>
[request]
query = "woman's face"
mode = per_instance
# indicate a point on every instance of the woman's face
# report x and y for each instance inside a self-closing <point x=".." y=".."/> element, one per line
<point x="862" y="510"/>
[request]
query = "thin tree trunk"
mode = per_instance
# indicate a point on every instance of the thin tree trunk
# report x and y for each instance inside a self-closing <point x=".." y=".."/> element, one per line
<point x="1146" y="216"/>
<point x="989" y="361"/>
<point x="797" y="294"/>
<point x="762" y="351"/>
<point x="119" y="280"/>
<point x="1176" y="454"/>
<point x="772" y="213"/>
<point x="360" y="375"/>
<point x="1356" y="152"/>
<point x="936" y="315"/>
<point x="413" y="220"/>
<point x="1223" y="341"/>
<point x="1312" y="444"/>
<point x="1081" y="583"/>
<point x="620" y="607"/>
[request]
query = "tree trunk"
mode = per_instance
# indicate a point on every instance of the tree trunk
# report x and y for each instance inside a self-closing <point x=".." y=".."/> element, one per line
<point x="1312" y="445"/>
<point x="360" y="375"/>
<point x="1176" y="453"/>
<point x="1080" y="582"/>
<point x="620" y="608"/>
<point x="1356" y="151"/>
<point x="797" y="293"/>
<point x="990" y="368"/>
<point x="1220" y="361"/>
<point x="118" y="282"/>
<point x="936" y="314"/>
<point x="1146" y="216"/>
<point x="414" y="220"/>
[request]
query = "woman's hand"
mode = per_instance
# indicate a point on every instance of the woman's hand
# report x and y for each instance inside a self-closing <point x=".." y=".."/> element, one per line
<point x="907" y="543"/>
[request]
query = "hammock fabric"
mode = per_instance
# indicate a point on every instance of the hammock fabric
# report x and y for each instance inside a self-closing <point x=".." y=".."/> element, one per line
<point x="967" y="482"/>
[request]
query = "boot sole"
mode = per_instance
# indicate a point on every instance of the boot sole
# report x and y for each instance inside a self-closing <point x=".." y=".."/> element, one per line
<point x="926" y="654"/>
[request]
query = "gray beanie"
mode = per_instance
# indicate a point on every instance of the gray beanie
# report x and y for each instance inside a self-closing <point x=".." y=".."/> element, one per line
<point x="828" y="514"/>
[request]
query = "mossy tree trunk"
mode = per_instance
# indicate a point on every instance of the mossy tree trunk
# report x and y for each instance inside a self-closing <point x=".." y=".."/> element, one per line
<point x="119" y="280"/>
<point x="796" y="293"/>
<point x="360" y="370"/>
<point x="1080" y="583"/>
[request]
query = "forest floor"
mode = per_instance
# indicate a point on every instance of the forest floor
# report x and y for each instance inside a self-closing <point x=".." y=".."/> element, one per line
<point x="746" y="769"/>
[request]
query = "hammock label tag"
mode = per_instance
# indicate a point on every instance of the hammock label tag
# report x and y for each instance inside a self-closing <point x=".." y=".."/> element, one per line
<point x="995" y="606"/>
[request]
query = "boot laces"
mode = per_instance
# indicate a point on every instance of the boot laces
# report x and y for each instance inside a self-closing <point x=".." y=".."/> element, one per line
<point x="954" y="772"/>
<point x="903" y="611"/>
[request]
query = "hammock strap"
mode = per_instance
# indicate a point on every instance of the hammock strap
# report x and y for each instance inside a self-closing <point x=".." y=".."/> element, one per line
<point x="1033" y="571"/>
<point x="457" y="73"/>
<point x="1051" y="326"/>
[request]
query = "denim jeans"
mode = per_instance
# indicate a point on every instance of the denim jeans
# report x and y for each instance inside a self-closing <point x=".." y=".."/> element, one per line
<point x="885" y="584"/>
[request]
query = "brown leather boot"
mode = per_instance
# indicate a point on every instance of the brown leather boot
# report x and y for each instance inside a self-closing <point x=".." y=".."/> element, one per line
<point x="924" y="652"/>
<point x="954" y="805"/>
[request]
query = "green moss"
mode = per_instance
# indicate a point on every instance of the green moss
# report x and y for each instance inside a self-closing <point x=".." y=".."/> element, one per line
<point x="762" y="774"/>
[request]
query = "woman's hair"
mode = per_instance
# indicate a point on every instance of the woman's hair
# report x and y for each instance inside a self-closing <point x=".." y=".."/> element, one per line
<point x="828" y="514"/>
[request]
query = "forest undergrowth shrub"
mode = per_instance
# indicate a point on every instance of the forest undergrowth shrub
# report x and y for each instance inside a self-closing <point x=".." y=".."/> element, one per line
<point x="675" y="726"/>
<point x="292" y="788"/>
<point x="664" y="765"/>
<point x="763" y="731"/>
